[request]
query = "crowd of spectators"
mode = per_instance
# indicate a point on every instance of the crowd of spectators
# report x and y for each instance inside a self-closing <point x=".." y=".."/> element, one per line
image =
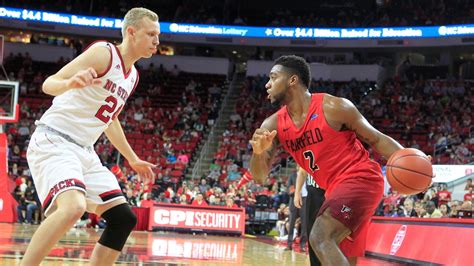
<point x="432" y="115"/>
<point x="437" y="202"/>
<point x="276" y="13"/>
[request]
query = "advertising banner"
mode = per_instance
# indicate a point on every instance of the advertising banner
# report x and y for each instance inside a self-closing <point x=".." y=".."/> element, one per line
<point x="422" y="240"/>
<point x="195" y="218"/>
<point x="446" y="173"/>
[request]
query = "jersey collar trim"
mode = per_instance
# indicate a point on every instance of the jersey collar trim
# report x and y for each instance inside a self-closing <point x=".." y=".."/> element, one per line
<point x="125" y="74"/>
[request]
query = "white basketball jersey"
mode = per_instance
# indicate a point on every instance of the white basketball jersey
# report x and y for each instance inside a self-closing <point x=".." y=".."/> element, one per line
<point x="85" y="113"/>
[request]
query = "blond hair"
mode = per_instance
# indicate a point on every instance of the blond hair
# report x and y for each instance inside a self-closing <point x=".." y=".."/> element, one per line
<point x="134" y="16"/>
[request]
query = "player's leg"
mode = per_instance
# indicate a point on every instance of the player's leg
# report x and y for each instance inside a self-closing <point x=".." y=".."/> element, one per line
<point x="346" y="210"/>
<point x="352" y="261"/>
<point x="71" y="204"/>
<point x="304" y="225"/>
<point x="292" y="221"/>
<point x="314" y="201"/>
<point x="326" y="234"/>
<point x="30" y="209"/>
<point x="120" y="223"/>
<point x="57" y="176"/>
<point x="19" y="212"/>
<point x="355" y="246"/>
<point x="105" y="199"/>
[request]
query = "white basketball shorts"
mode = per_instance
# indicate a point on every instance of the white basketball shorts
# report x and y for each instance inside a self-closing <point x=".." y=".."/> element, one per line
<point x="58" y="165"/>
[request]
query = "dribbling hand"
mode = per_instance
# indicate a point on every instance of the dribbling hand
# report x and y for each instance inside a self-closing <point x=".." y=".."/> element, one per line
<point x="83" y="78"/>
<point x="262" y="140"/>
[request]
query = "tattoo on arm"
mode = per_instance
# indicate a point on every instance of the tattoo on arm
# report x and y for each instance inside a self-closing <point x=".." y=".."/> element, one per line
<point x="370" y="141"/>
<point x="367" y="140"/>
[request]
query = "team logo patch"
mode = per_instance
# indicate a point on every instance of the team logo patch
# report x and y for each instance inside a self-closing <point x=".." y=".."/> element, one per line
<point x="313" y="116"/>
<point x="117" y="66"/>
<point x="398" y="240"/>
<point x="346" y="212"/>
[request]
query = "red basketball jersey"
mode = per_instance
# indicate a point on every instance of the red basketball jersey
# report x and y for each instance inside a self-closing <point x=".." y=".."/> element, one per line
<point x="329" y="156"/>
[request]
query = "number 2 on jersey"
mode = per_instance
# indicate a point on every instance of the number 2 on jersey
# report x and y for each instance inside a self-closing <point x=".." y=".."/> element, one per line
<point x="106" y="111"/>
<point x="309" y="155"/>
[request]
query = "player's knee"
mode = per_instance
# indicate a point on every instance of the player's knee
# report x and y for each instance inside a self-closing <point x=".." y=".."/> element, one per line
<point x="71" y="205"/>
<point x="120" y="216"/>
<point x="313" y="241"/>
<point x="120" y="223"/>
<point x="74" y="212"/>
<point x="319" y="230"/>
<point x="129" y="220"/>
<point x="320" y="234"/>
<point x="315" y="238"/>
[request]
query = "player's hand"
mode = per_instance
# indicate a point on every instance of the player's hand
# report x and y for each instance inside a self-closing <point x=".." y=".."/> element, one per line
<point x="262" y="140"/>
<point x="83" y="79"/>
<point x="298" y="200"/>
<point x="434" y="174"/>
<point x="143" y="169"/>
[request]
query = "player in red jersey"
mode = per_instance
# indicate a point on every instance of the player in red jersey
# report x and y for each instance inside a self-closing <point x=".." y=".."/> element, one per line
<point x="322" y="134"/>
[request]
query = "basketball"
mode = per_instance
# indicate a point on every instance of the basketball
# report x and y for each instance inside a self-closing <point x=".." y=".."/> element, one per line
<point x="409" y="171"/>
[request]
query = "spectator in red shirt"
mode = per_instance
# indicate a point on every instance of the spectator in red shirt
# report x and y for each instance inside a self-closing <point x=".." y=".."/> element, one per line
<point x="468" y="184"/>
<point x="209" y="193"/>
<point x="181" y="189"/>
<point x="229" y="203"/>
<point x="147" y="202"/>
<point x="250" y="197"/>
<point x="444" y="196"/>
<point x="469" y="196"/>
<point x="169" y="193"/>
<point x="199" y="200"/>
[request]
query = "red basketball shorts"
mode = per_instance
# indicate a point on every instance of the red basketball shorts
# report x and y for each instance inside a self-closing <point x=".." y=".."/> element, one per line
<point x="353" y="202"/>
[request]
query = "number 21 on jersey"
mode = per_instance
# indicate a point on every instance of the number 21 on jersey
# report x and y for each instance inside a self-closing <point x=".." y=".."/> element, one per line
<point x="309" y="155"/>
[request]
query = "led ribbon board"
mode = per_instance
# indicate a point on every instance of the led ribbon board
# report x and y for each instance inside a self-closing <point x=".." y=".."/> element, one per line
<point x="245" y="31"/>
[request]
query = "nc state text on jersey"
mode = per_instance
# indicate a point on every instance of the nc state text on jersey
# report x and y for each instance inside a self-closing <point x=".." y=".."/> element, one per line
<point x="112" y="87"/>
<point x="307" y="138"/>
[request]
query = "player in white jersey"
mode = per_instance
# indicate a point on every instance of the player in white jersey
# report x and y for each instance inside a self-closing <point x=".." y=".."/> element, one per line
<point x="89" y="94"/>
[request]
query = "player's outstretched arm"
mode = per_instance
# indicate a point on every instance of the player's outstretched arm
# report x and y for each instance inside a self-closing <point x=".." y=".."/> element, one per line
<point x="342" y="114"/>
<point x="264" y="146"/>
<point x="117" y="137"/>
<point x="80" y="72"/>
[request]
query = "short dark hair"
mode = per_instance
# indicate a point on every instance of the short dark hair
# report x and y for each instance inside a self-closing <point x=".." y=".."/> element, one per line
<point x="297" y="66"/>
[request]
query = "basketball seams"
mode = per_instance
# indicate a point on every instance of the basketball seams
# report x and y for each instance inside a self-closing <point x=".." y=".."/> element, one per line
<point x="406" y="169"/>
<point x="399" y="182"/>
<point x="394" y="162"/>
<point x="412" y="155"/>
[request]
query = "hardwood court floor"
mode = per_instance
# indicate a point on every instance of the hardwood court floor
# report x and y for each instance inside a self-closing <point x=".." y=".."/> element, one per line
<point x="147" y="248"/>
